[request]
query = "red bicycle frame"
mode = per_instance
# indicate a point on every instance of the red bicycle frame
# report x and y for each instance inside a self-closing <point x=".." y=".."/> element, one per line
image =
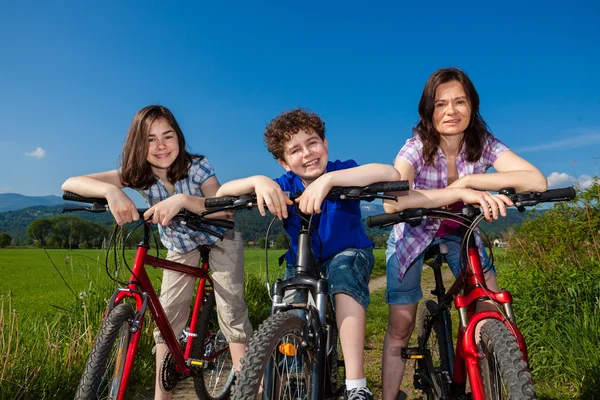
<point x="475" y="289"/>
<point x="141" y="289"/>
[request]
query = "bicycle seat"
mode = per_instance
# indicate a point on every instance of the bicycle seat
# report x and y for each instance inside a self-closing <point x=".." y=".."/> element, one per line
<point x="435" y="255"/>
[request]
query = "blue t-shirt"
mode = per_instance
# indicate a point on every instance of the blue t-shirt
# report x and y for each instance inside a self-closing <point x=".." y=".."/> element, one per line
<point x="338" y="226"/>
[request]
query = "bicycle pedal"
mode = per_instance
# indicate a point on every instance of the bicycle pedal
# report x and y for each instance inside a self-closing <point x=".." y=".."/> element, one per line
<point x="412" y="353"/>
<point x="192" y="362"/>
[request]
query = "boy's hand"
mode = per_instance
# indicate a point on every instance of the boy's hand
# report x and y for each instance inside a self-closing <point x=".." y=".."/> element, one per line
<point x="490" y="203"/>
<point x="269" y="192"/>
<point x="122" y="207"/>
<point x="163" y="212"/>
<point x="314" y="194"/>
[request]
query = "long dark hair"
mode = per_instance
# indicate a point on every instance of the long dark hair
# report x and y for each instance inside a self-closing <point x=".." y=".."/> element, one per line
<point x="477" y="131"/>
<point x="136" y="171"/>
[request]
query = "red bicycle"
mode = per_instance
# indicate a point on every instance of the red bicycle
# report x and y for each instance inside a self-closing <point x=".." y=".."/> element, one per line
<point x="495" y="363"/>
<point x="201" y="351"/>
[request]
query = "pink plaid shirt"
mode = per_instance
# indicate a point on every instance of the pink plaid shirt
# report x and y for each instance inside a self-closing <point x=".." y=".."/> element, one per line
<point x="411" y="242"/>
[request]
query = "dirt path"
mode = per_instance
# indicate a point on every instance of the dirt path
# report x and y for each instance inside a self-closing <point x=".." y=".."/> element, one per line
<point x="373" y="350"/>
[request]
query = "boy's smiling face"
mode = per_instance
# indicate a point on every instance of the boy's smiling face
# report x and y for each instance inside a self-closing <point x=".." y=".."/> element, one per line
<point x="306" y="155"/>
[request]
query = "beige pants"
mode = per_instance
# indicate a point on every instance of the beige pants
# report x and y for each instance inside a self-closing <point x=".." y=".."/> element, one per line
<point x="227" y="271"/>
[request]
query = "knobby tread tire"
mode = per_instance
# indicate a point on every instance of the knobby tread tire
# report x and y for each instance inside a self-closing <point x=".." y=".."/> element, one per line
<point x="202" y="327"/>
<point x="96" y="364"/>
<point x="439" y="353"/>
<point x="502" y="352"/>
<point x="259" y="350"/>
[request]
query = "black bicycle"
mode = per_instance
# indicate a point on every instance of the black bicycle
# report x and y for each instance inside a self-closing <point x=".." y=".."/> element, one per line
<point x="295" y="353"/>
<point x="496" y="363"/>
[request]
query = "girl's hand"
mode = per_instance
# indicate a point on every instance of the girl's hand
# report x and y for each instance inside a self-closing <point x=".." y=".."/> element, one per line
<point x="163" y="212"/>
<point x="490" y="203"/>
<point x="122" y="207"/>
<point x="314" y="194"/>
<point x="269" y="192"/>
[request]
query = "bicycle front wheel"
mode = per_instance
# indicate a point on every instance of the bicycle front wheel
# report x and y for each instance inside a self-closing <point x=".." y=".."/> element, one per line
<point x="103" y="374"/>
<point x="276" y="364"/>
<point x="212" y="348"/>
<point x="504" y="373"/>
<point x="430" y="336"/>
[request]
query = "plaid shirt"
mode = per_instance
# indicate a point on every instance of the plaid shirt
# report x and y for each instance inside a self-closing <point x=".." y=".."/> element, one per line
<point x="175" y="236"/>
<point x="412" y="241"/>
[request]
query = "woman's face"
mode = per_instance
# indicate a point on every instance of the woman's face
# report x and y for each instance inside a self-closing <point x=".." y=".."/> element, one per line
<point x="452" y="112"/>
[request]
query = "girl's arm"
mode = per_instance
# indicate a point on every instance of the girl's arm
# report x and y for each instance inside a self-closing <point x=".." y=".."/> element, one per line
<point x="490" y="204"/>
<point x="106" y="185"/>
<point x="513" y="171"/>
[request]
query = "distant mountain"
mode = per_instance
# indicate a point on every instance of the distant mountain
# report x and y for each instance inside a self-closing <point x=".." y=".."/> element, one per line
<point x="15" y="201"/>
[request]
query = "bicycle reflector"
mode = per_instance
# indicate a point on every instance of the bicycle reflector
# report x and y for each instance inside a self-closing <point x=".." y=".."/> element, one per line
<point x="287" y="349"/>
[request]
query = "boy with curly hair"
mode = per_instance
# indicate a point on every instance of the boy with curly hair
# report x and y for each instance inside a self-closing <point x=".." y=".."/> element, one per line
<point x="297" y="140"/>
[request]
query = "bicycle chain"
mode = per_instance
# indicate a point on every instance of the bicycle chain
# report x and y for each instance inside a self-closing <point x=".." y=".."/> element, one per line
<point x="169" y="377"/>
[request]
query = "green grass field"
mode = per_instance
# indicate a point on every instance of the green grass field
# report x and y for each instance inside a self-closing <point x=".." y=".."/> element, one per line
<point x="41" y="281"/>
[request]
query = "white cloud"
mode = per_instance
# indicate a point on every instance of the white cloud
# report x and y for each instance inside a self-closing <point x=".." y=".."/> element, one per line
<point x="562" y="179"/>
<point x="37" y="153"/>
<point x="585" y="137"/>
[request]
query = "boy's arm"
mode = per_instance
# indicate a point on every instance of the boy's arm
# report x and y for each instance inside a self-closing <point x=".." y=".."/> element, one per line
<point x="363" y="175"/>
<point x="267" y="192"/>
<point x="106" y="185"/>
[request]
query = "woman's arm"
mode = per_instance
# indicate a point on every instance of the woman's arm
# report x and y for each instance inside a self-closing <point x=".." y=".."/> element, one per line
<point x="512" y="171"/>
<point x="490" y="204"/>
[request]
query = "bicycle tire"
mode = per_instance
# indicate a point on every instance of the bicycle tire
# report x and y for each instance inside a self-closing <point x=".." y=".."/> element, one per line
<point x="437" y="367"/>
<point x="504" y="373"/>
<point x="104" y="369"/>
<point x="214" y="383"/>
<point x="290" y="376"/>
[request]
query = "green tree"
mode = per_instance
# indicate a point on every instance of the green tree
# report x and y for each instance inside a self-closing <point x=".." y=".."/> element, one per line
<point x="260" y="243"/>
<point x="40" y="230"/>
<point x="281" y="242"/>
<point x="5" y="239"/>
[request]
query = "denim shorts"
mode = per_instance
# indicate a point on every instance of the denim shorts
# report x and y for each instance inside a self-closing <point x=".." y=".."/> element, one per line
<point x="408" y="290"/>
<point x="347" y="272"/>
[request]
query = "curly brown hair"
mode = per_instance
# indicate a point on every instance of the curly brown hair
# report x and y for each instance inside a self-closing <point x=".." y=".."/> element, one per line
<point x="477" y="131"/>
<point x="136" y="171"/>
<point x="281" y="129"/>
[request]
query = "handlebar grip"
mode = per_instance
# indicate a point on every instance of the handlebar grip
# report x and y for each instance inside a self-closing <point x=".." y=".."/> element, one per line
<point x="562" y="194"/>
<point x="385" y="219"/>
<point x="69" y="196"/>
<point x="213" y="202"/>
<point x="221" y="223"/>
<point x="395" y="186"/>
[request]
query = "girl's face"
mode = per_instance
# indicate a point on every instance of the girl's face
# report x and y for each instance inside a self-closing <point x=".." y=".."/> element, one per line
<point x="163" y="147"/>
<point x="306" y="155"/>
<point x="452" y="112"/>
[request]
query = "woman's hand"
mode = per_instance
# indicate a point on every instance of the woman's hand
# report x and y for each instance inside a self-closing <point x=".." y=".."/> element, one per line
<point x="122" y="207"/>
<point x="490" y="203"/>
<point x="163" y="212"/>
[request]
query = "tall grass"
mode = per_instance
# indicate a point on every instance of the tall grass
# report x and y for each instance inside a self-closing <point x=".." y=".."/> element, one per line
<point x="555" y="280"/>
<point x="43" y="358"/>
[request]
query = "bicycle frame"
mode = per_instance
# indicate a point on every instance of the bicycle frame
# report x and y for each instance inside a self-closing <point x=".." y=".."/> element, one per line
<point x="472" y="283"/>
<point x="140" y="288"/>
<point x="319" y="290"/>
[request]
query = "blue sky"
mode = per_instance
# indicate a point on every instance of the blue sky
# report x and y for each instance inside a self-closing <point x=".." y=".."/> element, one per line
<point x="74" y="73"/>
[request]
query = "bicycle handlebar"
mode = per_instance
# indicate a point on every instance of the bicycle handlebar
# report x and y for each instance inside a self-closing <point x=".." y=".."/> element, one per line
<point x="342" y="192"/>
<point x="414" y="216"/>
<point x="192" y="220"/>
